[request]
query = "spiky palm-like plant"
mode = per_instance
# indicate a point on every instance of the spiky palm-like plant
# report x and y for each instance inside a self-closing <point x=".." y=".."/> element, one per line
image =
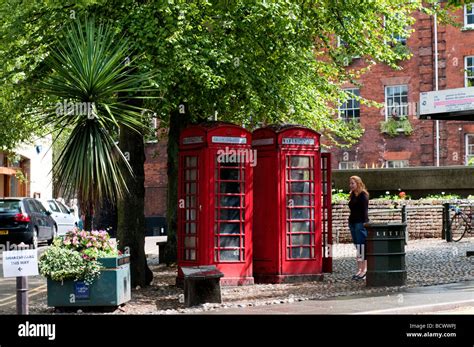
<point x="93" y="81"/>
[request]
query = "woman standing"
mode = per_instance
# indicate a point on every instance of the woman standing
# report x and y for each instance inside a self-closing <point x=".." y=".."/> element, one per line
<point x="359" y="206"/>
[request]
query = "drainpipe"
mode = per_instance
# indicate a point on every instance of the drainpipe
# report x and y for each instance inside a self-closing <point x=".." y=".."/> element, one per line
<point x="436" y="81"/>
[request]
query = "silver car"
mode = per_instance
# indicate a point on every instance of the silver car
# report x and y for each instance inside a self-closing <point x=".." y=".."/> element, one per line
<point x="62" y="215"/>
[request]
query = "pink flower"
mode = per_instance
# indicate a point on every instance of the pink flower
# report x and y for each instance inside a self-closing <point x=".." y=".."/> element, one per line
<point x="89" y="244"/>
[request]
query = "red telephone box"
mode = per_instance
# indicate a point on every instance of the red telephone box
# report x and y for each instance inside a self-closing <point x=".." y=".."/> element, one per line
<point x="287" y="234"/>
<point x="215" y="200"/>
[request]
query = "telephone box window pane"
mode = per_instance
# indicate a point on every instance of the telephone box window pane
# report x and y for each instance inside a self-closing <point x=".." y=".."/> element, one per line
<point x="191" y="175"/>
<point x="299" y="200"/>
<point x="301" y="175"/>
<point x="231" y="214"/>
<point x="297" y="161"/>
<point x="229" y="242"/>
<point x="300" y="213"/>
<point x="190" y="214"/>
<point x="190" y="201"/>
<point x="229" y="174"/>
<point x="190" y="228"/>
<point x="230" y="187"/>
<point x="226" y="255"/>
<point x="301" y="240"/>
<point x="229" y="228"/>
<point x="190" y="242"/>
<point x="300" y="187"/>
<point x="191" y="161"/>
<point x="190" y="188"/>
<point x="300" y="252"/>
<point x="300" y="226"/>
<point x="230" y="201"/>
<point x="190" y="254"/>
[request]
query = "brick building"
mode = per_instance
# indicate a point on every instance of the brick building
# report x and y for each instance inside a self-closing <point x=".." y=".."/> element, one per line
<point x="400" y="91"/>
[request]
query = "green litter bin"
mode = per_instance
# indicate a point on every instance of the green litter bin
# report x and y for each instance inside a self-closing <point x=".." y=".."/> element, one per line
<point x="386" y="254"/>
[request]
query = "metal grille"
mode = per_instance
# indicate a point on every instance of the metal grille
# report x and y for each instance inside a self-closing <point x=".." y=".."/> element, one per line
<point x="229" y="227"/>
<point x="300" y="198"/>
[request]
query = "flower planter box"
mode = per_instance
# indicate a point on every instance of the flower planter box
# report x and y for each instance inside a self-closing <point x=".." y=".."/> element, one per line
<point x="111" y="288"/>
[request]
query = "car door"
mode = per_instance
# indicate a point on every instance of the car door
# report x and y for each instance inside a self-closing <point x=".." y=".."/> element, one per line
<point x="68" y="217"/>
<point x="45" y="227"/>
<point x="57" y="215"/>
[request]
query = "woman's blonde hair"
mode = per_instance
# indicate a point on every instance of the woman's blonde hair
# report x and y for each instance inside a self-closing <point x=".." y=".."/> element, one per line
<point x="360" y="186"/>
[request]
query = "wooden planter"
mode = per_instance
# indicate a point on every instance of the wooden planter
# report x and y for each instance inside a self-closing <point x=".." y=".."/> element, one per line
<point x="111" y="288"/>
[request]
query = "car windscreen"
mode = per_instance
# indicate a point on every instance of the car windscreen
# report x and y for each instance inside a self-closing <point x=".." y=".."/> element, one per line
<point x="10" y="206"/>
<point x="53" y="207"/>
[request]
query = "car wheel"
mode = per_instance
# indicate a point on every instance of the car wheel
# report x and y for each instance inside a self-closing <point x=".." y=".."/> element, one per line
<point x="34" y="239"/>
<point x="55" y="233"/>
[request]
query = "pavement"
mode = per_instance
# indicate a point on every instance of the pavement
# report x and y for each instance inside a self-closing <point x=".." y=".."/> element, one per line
<point x="454" y="298"/>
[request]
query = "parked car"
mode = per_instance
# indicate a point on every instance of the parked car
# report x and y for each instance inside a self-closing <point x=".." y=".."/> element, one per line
<point x="25" y="220"/>
<point x="62" y="215"/>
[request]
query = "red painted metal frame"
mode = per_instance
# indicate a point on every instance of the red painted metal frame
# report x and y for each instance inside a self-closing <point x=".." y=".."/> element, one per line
<point x="326" y="186"/>
<point x="207" y="141"/>
<point x="272" y="263"/>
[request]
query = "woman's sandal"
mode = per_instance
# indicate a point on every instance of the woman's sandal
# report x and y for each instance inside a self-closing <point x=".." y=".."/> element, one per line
<point x="361" y="277"/>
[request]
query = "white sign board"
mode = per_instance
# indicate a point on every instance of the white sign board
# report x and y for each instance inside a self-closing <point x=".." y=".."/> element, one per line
<point x="229" y="139"/>
<point x="297" y="141"/>
<point x="448" y="100"/>
<point x="20" y="263"/>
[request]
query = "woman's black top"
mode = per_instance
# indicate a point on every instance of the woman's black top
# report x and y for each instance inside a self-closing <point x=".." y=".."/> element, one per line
<point x="359" y="206"/>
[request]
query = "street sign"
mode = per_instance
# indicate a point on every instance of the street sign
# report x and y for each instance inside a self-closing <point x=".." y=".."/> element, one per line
<point x="448" y="102"/>
<point x="20" y="263"/>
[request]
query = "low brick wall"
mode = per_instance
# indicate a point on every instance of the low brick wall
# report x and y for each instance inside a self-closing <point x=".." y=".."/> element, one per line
<point x="424" y="217"/>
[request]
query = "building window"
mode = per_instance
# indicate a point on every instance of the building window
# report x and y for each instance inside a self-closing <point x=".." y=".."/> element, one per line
<point x="350" y="109"/>
<point x="396" y="101"/>
<point x="470" y="149"/>
<point x="348" y="165"/>
<point x="469" y="71"/>
<point x="469" y="15"/>
<point x="397" y="163"/>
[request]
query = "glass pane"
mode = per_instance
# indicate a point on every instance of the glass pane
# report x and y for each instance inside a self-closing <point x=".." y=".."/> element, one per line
<point x="226" y="255"/>
<point x="190" y="214"/>
<point x="190" y="201"/>
<point x="301" y="175"/>
<point x="229" y="228"/>
<point x="191" y="175"/>
<point x="301" y="240"/>
<point x="300" y="187"/>
<point x="296" y="161"/>
<point x="300" y="252"/>
<point x="229" y="242"/>
<point x="191" y="161"/>
<point x="190" y="188"/>
<point x="300" y="226"/>
<point x="299" y="200"/>
<point x="230" y="174"/>
<point x="190" y="254"/>
<point x="300" y="213"/>
<point x="230" y="201"/>
<point x="230" y="187"/>
<point x="190" y="242"/>
<point x="232" y="214"/>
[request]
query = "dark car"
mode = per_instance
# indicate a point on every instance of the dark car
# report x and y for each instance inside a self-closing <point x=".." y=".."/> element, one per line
<point x="25" y="220"/>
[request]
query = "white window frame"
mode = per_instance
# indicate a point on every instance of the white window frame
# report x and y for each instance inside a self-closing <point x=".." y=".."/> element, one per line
<point x="469" y="156"/>
<point x="466" y="84"/>
<point x="386" y="101"/>
<point x="341" y="109"/>
<point x="466" y="25"/>
<point x="349" y="165"/>
<point x="397" y="164"/>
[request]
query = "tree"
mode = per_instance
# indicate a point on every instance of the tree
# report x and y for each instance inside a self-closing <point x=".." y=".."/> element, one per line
<point x="248" y="63"/>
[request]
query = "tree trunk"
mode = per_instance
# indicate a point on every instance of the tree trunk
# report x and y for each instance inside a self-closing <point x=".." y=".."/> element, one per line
<point x="131" y="209"/>
<point x="177" y="123"/>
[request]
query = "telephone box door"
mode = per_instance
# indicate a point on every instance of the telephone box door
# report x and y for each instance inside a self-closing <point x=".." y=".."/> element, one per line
<point x="302" y="194"/>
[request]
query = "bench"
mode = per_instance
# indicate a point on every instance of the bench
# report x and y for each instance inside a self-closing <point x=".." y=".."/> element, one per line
<point x="201" y="285"/>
